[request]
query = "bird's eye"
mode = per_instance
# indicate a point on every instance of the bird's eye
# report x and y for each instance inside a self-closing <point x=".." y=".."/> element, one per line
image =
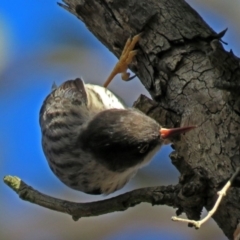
<point x="144" y="148"/>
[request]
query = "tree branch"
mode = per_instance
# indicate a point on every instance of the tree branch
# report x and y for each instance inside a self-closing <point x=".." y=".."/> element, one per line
<point x="154" y="195"/>
<point x="183" y="65"/>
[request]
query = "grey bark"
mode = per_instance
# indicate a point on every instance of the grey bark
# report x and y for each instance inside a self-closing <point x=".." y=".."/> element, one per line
<point x="154" y="195"/>
<point x="183" y="65"/>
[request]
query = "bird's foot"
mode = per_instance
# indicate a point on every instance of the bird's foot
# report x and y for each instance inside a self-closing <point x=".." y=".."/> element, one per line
<point x="125" y="59"/>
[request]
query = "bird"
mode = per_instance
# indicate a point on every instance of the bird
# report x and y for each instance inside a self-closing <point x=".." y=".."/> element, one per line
<point x="93" y="142"/>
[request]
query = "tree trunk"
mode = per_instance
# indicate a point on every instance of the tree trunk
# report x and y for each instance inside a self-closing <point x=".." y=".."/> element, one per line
<point x="194" y="81"/>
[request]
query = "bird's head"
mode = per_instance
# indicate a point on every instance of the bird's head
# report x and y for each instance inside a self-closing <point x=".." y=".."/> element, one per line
<point x="122" y="138"/>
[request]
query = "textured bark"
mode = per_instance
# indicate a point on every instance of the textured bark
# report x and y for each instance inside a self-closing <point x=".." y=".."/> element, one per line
<point x="183" y="65"/>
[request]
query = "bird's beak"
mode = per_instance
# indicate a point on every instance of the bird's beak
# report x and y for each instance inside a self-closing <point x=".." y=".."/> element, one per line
<point x="169" y="132"/>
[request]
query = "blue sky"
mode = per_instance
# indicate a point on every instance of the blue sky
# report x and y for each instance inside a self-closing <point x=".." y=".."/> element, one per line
<point x="41" y="43"/>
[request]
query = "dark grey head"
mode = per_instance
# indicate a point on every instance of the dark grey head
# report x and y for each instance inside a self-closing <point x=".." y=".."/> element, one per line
<point x="120" y="138"/>
<point x="123" y="138"/>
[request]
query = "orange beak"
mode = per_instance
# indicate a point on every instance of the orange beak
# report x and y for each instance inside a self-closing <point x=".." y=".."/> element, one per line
<point x="169" y="132"/>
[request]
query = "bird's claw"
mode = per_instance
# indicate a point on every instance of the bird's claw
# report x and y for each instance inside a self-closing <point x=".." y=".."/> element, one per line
<point x="125" y="59"/>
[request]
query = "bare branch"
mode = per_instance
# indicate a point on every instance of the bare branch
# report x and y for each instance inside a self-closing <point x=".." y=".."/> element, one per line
<point x="154" y="195"/>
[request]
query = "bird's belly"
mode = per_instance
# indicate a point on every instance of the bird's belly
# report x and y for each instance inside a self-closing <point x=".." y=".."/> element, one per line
<point x="89" y="176"/>
<point x="116" y="180"/>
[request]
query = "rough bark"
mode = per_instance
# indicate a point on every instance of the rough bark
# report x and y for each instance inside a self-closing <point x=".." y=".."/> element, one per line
<point x="183" y="65"/>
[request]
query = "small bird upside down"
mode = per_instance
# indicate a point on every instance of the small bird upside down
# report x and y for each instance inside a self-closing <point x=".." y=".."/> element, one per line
<point x="92" y="142"/>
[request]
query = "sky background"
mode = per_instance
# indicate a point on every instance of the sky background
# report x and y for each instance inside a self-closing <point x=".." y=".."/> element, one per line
<point x="41" y="43"/>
